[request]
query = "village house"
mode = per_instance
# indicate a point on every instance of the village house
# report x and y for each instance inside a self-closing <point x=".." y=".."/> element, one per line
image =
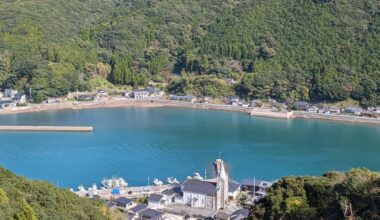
<point x="149" y="214"/>
<point x="353" y="110"/>
<point x="7" y="104"/>
<point x="140" y="94"/>
<point x="233" y="100"/>
<point x="186" y="98"/>
<point x="102" y="93"/>
<point x="300" y="105"/>
<point x="123" y="203"/>
<point x="133" y="212"/>
<point x="312" y="109"/>
<point x="10" y="93"/>
<point x="20" y="98"/>
<point x="240" y="214"/>
<point x="86" y="97"/>
<point x="155" y="92"/>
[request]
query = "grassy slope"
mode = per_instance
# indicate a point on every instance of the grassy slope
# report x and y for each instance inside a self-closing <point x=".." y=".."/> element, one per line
<point x="47" y="201"/>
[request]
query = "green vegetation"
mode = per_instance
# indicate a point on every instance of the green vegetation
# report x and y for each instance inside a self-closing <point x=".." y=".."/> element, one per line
<point x="351" y="195"/>
<point x="317" y="50"/>
<point x="24" y="199"/>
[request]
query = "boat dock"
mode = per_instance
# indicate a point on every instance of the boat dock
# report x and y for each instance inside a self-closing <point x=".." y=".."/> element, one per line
<point x="128" y="192"/>
<point x="46" y="128"/>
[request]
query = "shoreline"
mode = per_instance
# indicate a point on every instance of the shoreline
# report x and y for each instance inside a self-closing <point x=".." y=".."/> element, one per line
<point x="157" y="103"/>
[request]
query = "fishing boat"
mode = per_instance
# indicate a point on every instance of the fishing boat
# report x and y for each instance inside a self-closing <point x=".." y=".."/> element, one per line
<point x="157" y="182"/>
<point x="114" y="183"/>
<point x="81" y="188"/>
<point x="197" y="176"/>
<point x="172" y="180"/>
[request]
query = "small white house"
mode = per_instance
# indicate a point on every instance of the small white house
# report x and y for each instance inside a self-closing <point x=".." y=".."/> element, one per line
<point x="140" y="94"/>
<point x="156" y="201"/>
<point x="102" y="93"/>
<point x="10" y="93"/>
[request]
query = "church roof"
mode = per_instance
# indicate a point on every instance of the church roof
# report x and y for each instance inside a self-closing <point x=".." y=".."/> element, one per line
<point x="200" y="187"/>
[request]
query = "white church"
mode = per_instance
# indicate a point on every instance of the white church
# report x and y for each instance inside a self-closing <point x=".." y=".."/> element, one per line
<point x="211" y="194"/>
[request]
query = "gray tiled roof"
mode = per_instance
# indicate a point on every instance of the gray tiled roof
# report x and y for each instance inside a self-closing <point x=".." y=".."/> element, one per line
<point x="155" y="198"/>
<point x="138" y="208"/>
<point x="240" y="214"/>
<point x="175" y="189"/>
<point x="232" y="186"/>
<point x="150" y="214"/>
<point x="199" y="186"/>
<point x="123" y="200"/>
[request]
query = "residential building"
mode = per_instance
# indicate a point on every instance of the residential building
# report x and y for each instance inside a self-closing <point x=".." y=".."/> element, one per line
<point x="240" y="214"/>
<point x="232" y="100"/>
<point x="300" y="105"/>
<point x="353" y="110"/>
<point x="102" y="93"/>
<point x="133" y="212"/>
<point x="7" y="104"/>
<point x="186" y="98"/>
<point x="156" y="201"/>
<point x="10" y="93"/>
<point x="140" y="94"/>
<point x="123" y="203"/>
<point x="20" y="98"/>
<point x="149" y="214"/>
<point x="86" y="97"/>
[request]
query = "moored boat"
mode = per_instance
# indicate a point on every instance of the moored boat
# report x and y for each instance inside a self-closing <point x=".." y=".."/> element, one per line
<point x="114" y="183"/>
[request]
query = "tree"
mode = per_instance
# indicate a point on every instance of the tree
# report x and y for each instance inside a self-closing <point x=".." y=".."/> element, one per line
<point x="26" y="212"/>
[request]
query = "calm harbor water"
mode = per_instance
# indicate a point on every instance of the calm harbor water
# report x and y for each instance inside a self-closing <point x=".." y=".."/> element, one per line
<point x="160" y="142"/>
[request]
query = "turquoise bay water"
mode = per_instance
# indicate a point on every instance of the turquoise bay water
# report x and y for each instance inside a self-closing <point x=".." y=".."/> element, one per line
<point x="160" y="142"/>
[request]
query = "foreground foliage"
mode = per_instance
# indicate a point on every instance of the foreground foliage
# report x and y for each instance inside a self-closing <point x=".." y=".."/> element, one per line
<point x="318" y="50"/>
<point x="24" y="199"/>
<point x="335" y="195"/>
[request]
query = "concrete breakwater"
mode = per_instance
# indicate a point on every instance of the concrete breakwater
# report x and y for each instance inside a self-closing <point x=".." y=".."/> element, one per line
<point x="337" y="118"/>
<point x="46" y="128"/>
<point x="270" y="114"/>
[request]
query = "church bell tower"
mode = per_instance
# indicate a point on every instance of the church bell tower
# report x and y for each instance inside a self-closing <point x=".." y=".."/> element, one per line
<point x="221" y="185"/>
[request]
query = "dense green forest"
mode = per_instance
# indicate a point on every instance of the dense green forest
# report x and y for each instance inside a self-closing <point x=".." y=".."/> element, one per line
<point x="24" y="199"/>
<point x="351" y="195"/>
<point x="313" y="50"/>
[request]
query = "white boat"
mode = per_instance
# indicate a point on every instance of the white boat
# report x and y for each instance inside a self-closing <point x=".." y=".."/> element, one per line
<point x="81" y="188"/>
<point x="114" y="183"/>
<point x="157" y="182"/>
<point x="172" y="180"/>
<point x="197" y="176"/>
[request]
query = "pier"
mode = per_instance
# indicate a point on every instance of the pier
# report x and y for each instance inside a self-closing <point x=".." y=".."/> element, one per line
<point x="46" y="128"/>
<point x="128" y="192"/>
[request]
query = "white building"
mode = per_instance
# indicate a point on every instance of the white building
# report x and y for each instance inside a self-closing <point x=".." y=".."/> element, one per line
<point x="10" y="93"/>
<point x="140" y="94"/>
<point x="211" y="194"/>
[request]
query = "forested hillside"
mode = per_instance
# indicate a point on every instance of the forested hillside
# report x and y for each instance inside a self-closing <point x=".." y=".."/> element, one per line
<point x="351" y="195"/>
<point x="317" y="50"/>
<point x="25" y="199"/>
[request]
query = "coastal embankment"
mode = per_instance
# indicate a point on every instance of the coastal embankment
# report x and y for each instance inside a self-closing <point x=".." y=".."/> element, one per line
<point x="154" y="103"/>
<point x="337" y="118"/>
<point x="47" y="128"/>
